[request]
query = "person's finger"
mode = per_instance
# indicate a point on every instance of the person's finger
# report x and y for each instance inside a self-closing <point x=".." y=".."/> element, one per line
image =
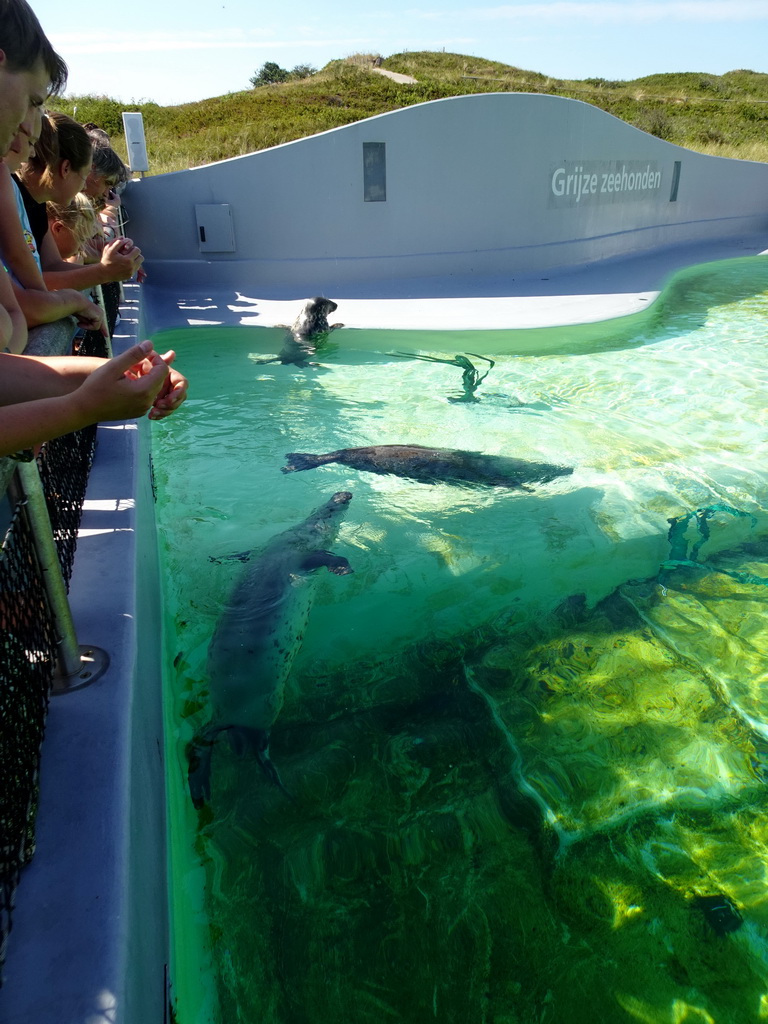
<point x="134" y="356"/>
<point x="164" y="407"/>
<point x="174" y="395"/>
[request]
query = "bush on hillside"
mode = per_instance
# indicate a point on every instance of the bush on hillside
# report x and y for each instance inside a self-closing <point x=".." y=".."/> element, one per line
<point x="103" y="111"/>
<point x="269" y="74"/>
<point x="272" y="74"/>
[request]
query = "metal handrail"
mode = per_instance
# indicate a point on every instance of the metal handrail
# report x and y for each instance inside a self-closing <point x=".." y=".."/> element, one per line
<point x="78" y="665"/>
<point x="99" y="298"/>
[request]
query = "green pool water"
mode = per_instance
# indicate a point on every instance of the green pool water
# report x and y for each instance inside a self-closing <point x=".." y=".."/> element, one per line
<point x="527" y="740"/>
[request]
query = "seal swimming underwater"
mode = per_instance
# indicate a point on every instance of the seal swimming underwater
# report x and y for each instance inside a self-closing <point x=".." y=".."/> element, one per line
<point x="257" y="638"/>
<point x="433" y="465"/>
<point x="308" y="332"/>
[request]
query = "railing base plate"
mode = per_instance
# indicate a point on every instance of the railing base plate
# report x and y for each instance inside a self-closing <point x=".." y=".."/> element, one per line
<point x="93" y="664"/>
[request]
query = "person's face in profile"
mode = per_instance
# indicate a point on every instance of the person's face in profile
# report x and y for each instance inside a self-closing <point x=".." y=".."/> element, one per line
<point x="22" y="95"/>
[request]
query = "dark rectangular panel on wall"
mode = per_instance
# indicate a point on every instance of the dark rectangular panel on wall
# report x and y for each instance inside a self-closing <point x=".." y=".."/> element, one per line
<point x="675" y="182"/>
<point x="374" y="172"/>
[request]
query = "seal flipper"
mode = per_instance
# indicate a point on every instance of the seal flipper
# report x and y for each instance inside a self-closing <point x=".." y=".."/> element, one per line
<point x="261" y="745"/>
<point x="253" y="742"/>
<point x="244" y="741"/>
<point x="297" y="461"/>
<point x="336" y="564"/>
<point x="199" y="751"/>
<point x="238" y="556"/>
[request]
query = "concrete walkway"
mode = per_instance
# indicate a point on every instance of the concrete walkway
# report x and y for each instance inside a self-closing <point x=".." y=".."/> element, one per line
<point x="89" y="940"/>
<point x="402" y="79"/>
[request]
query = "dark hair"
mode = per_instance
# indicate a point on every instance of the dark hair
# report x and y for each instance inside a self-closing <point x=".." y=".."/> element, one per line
<point x="97" y="135"/>
<point x="24" y="43"/>
<point x="107" y="163"/>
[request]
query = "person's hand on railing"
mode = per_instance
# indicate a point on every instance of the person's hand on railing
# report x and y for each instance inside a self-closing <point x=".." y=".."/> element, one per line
<point x="90" y="316"/>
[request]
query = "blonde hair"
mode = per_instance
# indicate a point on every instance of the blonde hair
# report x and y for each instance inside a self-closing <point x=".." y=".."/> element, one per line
<point x="79" y="216"/>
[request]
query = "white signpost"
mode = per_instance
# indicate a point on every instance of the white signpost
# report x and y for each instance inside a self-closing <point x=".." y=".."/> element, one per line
<point x="133" y="125"/>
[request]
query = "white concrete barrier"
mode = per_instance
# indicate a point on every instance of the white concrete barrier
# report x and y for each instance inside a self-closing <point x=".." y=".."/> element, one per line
<point x="503" y="183"/>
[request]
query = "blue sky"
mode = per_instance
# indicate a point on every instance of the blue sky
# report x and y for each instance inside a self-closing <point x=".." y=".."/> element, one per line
<point x="173" y="52"/>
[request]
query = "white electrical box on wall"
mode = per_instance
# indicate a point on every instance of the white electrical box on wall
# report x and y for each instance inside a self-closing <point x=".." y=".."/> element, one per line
<point x="215" y="230"/>
<point x="135" y="142"/>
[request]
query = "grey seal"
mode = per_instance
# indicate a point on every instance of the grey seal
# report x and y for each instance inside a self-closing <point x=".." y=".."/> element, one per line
<point x="432" y="465"/>
<point x="256" y="639"/>
<point x="307" y="333"/>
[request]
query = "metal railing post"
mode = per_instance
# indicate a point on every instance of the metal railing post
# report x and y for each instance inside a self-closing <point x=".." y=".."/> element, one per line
<point x="99" y="294"/>
<point x="78" y="665"/>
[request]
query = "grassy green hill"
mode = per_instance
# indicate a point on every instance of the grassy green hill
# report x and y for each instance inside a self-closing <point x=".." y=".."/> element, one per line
<point x="725" y="115"/>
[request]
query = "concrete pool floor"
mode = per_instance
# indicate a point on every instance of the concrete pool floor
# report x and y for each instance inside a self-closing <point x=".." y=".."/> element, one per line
<point x="89" y="937"/>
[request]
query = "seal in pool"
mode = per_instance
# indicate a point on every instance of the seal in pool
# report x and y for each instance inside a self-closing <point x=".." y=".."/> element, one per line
<point x="256" y="639"/>
<point x="307" y="333"/>
<point x="432" y="465"/>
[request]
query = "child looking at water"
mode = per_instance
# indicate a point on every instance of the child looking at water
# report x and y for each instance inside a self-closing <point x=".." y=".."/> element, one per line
<point x="73" y="226"/>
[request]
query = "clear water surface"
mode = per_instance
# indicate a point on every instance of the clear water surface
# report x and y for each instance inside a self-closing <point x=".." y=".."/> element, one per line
<point x="527" y="740"/>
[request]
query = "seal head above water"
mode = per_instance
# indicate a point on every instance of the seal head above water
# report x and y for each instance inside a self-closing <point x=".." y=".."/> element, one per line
<point x="307" y="333"/>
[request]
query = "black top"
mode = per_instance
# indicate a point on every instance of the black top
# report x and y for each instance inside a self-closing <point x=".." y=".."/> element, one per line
<point x="38" y="216"/>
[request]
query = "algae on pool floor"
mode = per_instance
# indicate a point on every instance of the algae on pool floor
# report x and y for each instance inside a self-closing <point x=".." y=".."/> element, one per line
<point x="414" y="880"/>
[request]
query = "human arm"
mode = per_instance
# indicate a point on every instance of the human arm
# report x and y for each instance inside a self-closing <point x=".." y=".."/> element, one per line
<point x="44" y="307"/>
<point x="119" y="261"/>
<point x="109" y="219"/>
<point x="13" y="326"/>
<point x="45" y="397"/>
<point x="14" y="247"/>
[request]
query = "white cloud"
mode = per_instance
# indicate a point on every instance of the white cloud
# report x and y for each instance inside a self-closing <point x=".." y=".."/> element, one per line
<point x="167" y="42"/>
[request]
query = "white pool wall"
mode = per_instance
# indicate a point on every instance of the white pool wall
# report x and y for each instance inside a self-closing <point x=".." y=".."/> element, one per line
<point x="477" y="190"/>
